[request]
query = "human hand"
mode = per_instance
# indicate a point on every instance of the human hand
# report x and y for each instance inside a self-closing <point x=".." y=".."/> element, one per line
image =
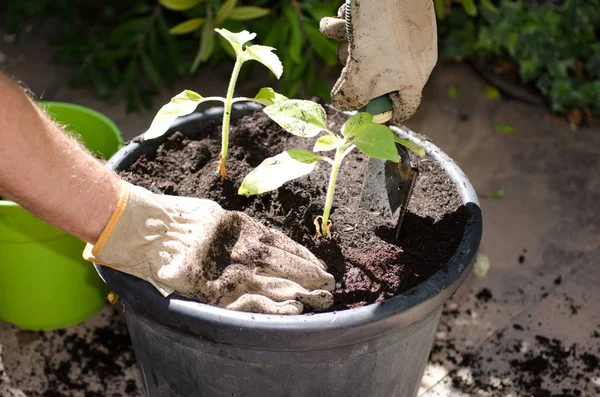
<point x="391" y="49"/>
<point x="223" y="258"/>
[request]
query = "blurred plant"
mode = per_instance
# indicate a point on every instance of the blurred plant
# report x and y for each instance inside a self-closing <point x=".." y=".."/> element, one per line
<point x="291" y="26"/>
<point x="18" y="14"/>
<point x="132" y="48"/>
<point x="555" y="48"/>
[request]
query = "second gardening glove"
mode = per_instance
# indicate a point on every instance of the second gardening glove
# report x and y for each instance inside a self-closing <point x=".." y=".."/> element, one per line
<point x="201" y="251"/>
<point x="390" y="47"/>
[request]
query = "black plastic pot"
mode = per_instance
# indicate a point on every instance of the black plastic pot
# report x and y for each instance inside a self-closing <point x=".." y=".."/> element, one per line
<point x="188" y="349"/>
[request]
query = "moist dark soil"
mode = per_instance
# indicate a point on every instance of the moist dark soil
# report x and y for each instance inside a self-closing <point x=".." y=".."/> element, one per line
<point x="368" y="264"/>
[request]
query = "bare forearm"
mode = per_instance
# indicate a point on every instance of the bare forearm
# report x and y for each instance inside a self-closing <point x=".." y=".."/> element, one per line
<point x="48" y="173"/>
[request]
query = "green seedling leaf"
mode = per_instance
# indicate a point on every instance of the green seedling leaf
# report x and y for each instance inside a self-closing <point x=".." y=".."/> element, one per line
<point x="482" y="265"/>
<point x="497" y="195"/>
<point x="377" y="141"/>
<point x="237" y="40"/>
<point x="453" y="92"/>
<point x="267" y="96"/>
<point x="187" y="27"/>
<point x="301" y="118"/>
<point x="351" y="125"/>
<point x="274" y="172"/>
<point x="265" y="55"/>
<point x="224" y="11"/>
<point x="248" y="13"/>
<point x="410" y="145"/>
<point x="491" y="93"/>
<point x="180" y="105"/>
<point x="303" y="156"/>
<point x="179" y="5"/>
<point x="227" y="47"/>
<point x="327" y="142"/>
<point x="504" y="128"/>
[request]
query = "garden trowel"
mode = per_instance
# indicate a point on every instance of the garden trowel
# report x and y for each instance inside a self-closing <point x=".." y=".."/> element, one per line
<point x="388" y="186"/>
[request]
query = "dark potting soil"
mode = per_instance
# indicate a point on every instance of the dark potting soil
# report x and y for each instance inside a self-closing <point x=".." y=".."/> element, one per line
<point x="367" y="264"/>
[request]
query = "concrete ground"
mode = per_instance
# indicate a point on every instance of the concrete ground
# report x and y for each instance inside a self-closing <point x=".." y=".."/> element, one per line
<point x="530" y="327"/>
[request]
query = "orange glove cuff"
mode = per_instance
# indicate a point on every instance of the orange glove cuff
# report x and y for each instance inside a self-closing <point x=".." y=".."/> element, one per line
<point x="91" y="251"/>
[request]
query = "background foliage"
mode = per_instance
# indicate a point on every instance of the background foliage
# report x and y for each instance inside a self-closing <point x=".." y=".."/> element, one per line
<point x="127" y="48"/>
<point x="553" y="47"/>
<point x="130" y="48"/>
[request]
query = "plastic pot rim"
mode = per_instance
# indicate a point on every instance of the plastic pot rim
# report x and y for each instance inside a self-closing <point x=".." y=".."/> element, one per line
<point x="414" y="304"/>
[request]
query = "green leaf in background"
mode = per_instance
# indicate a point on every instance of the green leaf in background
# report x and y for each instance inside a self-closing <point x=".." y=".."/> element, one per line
<point x="265" y="55"/>
<point x="274" y="172"/>
<point x="319" y="11"/>
<point x="237" y="40"/>
<point x="469" y="7"/>
<point x="224" y="11"/>
<point x="267" y="96"/>
<point x="453" y="92"/>
<point x="327" y="142"/>
<point x="504" y="128"/>
<point x="497" y="195"/>
<point x="175" y="65"/>
<point x="150" y="70"/>
<point x="295" y="43"/>
<point x="248" y="13"/>
<point x="440" y="8"/>
<point x="298" y="117"/>
<point x="377" y="141"/>
<point x="491" y="93"/>
<point x="351" y="125"/>
<point x="325" y="47"/>
<point x="179" y="5"/>
<point x="128" y="33"/>
<point x="207" y="44"/>
<point x="303" y="156"/>
<point x="131" y="74"/>
<point x="187" y="27"/>
<point x="410" y="145"/>
<point x="183" y="103"/>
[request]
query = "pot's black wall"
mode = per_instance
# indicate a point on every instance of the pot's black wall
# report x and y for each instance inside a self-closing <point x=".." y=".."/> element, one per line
<point x="177" y="365"/>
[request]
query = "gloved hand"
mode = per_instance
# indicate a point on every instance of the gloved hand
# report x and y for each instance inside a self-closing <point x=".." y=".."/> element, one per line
<point x="392" y="49"/>
<point x="203" y="252"/>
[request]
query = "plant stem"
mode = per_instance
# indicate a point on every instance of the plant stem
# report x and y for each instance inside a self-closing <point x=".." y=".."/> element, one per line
<point x="226" y="117"/>
<point x="335" y="168"/>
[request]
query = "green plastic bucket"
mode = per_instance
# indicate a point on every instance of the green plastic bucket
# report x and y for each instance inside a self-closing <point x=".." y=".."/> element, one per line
<point x="44" y="282"/>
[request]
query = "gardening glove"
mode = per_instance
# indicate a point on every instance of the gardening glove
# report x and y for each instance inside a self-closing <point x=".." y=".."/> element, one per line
<point x="390" y="48"/>
<point x="223" y="258"/>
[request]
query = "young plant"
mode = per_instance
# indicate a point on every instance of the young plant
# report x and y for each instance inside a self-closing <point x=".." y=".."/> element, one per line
<point x="187" y="101"/>
<point x="307" y="119"/>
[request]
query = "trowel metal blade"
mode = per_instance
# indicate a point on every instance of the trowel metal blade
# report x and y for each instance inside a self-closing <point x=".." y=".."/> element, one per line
<point x="388" y="186"/>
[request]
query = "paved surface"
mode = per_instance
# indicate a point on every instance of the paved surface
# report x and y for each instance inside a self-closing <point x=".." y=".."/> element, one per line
<point x="531" y="327"/>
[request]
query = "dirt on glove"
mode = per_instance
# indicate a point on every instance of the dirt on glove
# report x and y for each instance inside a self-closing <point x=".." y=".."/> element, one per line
<point x="367" y="264"/>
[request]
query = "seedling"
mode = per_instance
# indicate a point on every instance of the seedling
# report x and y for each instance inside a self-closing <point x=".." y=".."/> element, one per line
<point x="307" y="119"/>
<point x="187" y="101"/>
